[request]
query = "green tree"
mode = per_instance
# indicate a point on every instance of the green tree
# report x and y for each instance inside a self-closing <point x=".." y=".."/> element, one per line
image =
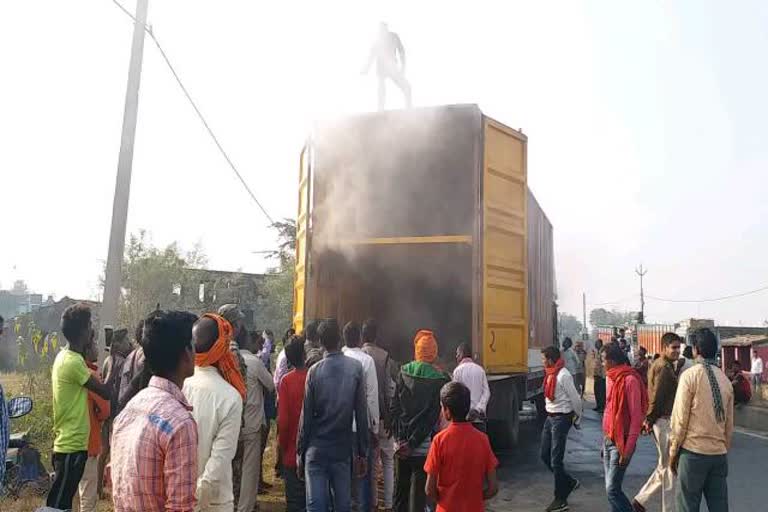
<point x="155" y="276"/>
<point x="570" y="326"/>
<point x="277" y="293"/>
<point x="602" y="316"/>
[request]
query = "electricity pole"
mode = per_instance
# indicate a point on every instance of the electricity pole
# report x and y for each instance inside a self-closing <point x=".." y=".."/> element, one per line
<point x="640" y="271"/>
<point x="584" y="313"/>
<point x="113" y="277"/>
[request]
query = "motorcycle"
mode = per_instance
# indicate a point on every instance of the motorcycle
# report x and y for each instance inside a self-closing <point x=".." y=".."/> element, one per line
<point x="24" y="471"/>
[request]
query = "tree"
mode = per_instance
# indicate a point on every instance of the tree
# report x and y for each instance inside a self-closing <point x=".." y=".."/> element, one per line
<point x="278" y="285"/>
<point x="614" y="317"/>
<point x="155" y="276"/>
<point x="569" y="326"/>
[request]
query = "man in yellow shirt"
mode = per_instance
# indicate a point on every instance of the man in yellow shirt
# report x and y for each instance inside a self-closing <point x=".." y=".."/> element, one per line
<point x="71" y="381"/>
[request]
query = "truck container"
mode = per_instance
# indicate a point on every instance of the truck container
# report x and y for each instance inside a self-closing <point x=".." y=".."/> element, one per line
<point x="423" y="219"/>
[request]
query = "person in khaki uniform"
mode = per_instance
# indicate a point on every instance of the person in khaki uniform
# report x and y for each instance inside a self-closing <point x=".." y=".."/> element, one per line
<point x="702" y="426"/>
<point x="662" y="386"/>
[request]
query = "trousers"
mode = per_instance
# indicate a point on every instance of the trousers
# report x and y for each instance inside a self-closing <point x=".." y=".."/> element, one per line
<point x="385" y="452"/>
<point x="410" y="495"/>
<point x="251" y="472"/>
<point x="614" y="478"/>
<point x="68" y="469"/>
<point x="699" y="475"/>
<point x="295" y="491"/>
<point x="600" y="393"/>
<point x="328" y="482"/>
<point x="89" y="485"/>
<point x="661" y="480"/>
<point x="554" y="436"/>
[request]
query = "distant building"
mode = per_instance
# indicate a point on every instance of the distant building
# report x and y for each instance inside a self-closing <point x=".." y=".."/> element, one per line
<point x="18" y="301"/>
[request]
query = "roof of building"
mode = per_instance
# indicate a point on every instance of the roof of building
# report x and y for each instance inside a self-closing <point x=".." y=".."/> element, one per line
<point x="744" y="341"/>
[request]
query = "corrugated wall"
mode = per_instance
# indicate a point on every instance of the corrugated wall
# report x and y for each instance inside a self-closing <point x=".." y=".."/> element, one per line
<point x="541" y="276"/>
<point x="649" y="336"/>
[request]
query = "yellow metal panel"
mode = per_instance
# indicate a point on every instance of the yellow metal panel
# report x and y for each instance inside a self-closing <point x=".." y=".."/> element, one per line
<point x="505" y="256"/>
<point x="448" y="239"/>
<point x="302" y="220"/>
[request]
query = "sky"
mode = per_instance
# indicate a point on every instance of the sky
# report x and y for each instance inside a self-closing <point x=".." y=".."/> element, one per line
<point x="645" y="123"/>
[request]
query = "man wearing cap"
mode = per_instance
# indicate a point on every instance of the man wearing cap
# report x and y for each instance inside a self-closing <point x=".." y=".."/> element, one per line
<point x="232" y="314"/>
<point x="216" y="393"/>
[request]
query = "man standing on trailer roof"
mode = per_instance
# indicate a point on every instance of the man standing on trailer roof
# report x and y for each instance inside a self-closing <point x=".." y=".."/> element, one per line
<point x="389" y="54"/>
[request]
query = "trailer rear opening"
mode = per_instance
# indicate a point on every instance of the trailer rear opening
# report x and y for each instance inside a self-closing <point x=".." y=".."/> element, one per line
<point x="423" y="219"/>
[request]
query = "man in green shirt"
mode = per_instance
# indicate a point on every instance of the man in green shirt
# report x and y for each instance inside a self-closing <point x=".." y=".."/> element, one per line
<point x="71" y="381"/>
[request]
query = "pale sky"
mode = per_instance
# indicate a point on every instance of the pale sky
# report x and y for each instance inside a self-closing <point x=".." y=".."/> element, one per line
<point x="645" y="123"/>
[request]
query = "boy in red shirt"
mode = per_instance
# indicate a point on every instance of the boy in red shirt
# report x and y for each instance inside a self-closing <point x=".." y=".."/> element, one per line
<point x="460" y="460"/>
<point x="289" y="405"/>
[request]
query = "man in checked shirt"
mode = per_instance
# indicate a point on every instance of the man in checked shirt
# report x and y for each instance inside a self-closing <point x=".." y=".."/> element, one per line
<point x="154" y="441"/>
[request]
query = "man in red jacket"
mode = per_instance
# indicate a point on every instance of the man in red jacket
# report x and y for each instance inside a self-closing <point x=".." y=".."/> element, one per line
<point x="291" y="393"/>
<point x="626" y="404"/>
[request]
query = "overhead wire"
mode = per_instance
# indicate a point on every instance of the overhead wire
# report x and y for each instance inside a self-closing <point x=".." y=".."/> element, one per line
<point x="148" y="30"/>
<point x="715" y="299"/>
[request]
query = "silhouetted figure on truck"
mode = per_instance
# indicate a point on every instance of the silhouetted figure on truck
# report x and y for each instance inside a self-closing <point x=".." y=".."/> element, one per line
<point x="389" y="54"/>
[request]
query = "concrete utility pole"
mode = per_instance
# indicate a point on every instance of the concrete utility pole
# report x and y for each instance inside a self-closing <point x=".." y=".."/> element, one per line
<point x="640" y="271"/>
<point x="584" y="313"/>
<point x="114" y="276"/>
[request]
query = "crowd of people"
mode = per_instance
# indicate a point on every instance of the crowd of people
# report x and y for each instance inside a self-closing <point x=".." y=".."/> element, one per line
<point x="181" y="418"/>
<point x="684" y="403"/>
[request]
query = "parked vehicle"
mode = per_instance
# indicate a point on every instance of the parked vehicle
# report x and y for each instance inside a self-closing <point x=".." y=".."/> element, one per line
<point x="24" y="471"/>
<point x="423" y="219"/>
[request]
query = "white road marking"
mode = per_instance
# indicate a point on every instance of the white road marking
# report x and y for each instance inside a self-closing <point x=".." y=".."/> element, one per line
<point x="751" y="434"/>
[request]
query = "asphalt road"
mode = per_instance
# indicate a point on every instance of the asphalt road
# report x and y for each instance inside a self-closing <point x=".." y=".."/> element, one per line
<point x="526" y="484"/>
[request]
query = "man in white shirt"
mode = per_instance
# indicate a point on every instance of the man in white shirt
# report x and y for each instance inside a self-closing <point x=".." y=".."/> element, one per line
<point x="473" y="376"/>
<point x="757" y="374"/>
<point x="362" y="487"/>
<point x="564" y="408"/>
<point x="216" y="396"/>
<point x="257" y="380"/>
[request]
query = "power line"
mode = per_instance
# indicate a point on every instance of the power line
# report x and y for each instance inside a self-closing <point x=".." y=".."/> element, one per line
<point x="149" y="31"/>
<point x="716" y="299"/>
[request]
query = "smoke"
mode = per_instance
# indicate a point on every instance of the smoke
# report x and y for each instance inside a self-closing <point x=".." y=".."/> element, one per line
<point x="396" y="174"/>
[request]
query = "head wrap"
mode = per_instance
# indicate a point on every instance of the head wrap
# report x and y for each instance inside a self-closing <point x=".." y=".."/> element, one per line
<point x="231" y="313"/>
<point x="425" y="345"/>
<point x="221" y="357"/>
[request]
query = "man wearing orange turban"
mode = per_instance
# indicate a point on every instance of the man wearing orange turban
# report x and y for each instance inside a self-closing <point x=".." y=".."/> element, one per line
<point x="425" y="347"/>
<point x="415" y="416"/>
<point x="216" y="393"/>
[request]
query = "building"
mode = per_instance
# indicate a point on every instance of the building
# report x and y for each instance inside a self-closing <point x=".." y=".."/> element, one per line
<point x="18" y="300"/>
<point x="739" y="348"/>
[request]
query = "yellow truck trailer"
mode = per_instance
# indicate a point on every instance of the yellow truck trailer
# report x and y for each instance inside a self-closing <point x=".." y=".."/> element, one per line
<point x="423" y="219"/>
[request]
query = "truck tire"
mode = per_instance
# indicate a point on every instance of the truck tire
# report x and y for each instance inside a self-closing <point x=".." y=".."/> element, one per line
<point x="513" y="418"/>
<point x="541" y="407"/>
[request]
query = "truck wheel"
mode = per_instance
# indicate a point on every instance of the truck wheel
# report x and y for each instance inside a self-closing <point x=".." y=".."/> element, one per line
<point x="513" y="418"/>
<point x="541" y="407"/>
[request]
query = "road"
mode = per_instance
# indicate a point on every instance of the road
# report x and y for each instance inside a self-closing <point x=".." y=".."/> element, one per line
<point x="526" y="485"/>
